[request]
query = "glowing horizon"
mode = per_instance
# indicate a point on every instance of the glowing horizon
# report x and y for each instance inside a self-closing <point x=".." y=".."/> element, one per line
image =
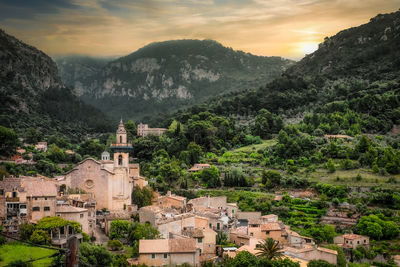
<point x="103" y="28"/>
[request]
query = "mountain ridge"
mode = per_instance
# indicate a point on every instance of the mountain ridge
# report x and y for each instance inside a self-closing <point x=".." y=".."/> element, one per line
<point x="33" y="95"/>
<point x="163" y="76"/>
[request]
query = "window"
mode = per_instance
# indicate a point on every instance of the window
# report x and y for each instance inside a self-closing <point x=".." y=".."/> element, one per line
<point x="81" y="215"/>
<point x="218" y="226"/>
<point x="365" y="241"/>
<point x="267" y="232"/>
<point x="153" y="256"/>
<point x="45" y="198"/>
<point x="251" y="234"/>
<point x="233" y="211"/>
<point x="347" y="241"/>
<point x="358" y="242"/>
<point x="120" y="160"/>
<point x="46" y="208"/>
<point x="120" y="138"/>
<point x="165" y="255"/>
<point x="200" y="251"/>
<point x="35" y="198"/>
<point x="200" y="240"/>
<point x="1" y="192"/>
<point x="23" y="206"/>
<point x="14" y="194"/>
<point x="36" y="209"/>
<point x="210" y="225"/>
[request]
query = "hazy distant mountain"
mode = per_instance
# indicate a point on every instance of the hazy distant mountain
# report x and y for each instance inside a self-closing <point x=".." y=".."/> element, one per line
<point x="164" y="76"/>
<point x="33" y="95"/>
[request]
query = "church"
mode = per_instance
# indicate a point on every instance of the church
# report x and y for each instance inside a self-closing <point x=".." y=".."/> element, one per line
<point x="110" y="181"/>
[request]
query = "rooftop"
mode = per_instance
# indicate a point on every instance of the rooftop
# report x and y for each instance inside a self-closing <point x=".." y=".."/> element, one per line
<point x="181" y="245"/>
<point x="352" y="236"/>
<point x="69" y="209"/>
<point x="271" y="227"/>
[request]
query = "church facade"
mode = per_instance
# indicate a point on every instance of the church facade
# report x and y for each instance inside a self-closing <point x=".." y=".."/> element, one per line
<point x="110" y="181"/>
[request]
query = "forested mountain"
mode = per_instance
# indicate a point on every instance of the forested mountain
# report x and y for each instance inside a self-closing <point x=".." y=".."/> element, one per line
<point x="353" y="78"/>
<point x="33" y="95"/>
<point x="162" y="77"/>
<point x="72" y="69"/>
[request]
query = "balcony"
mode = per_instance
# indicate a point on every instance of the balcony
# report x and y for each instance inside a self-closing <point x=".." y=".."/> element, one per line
<point x="121" y="147"/>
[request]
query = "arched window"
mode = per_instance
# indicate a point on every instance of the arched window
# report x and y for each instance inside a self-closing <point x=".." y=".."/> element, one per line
<point x="120" y="139"/>
<point x="120" y="160"/>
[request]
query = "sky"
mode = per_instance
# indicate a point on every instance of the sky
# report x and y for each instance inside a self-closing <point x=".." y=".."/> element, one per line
<point x="102" y="28"/>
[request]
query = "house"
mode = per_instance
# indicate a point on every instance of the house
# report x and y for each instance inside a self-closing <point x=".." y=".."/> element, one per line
<point x="169" y="252"/>
<point x="172" y="201"/>
<point x="351" y="241"/>
<point x="71" y="213"/>
<point x="144" y="130"/>
<point x="41" y="146"/>
<point x="296" y="240"/>
<point x="243" y="217"/>
<point x="219" y="203"/>
<point x="310" y="253"/>
<point x="239" y="236"/>
<point x="180" y="223"/>
<point x="13" y="205"/>
<point x="153" y="214"/>
<point x="269" y="218"/>
<point x="198" y="167"/>
<point x="205" y="241"/>
<point x="41" y="194"/>
<point x="85" y="201"/>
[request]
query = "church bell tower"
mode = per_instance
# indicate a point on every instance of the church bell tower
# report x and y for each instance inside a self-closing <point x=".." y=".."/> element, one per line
<point x="121" y="148"/>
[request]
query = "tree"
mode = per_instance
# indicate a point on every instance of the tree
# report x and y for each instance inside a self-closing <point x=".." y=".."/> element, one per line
<point x="221" y="238"/>
<point x="91" y="148"/>
<point x="142" y="197"/>
<point x="95" y="255"/>
<point x="119" y="229"/>
<point x="324" y="233"/>
<point x="274" y="177"/>
<point x="245" y="259"/>
<point x="195" y="152"/>
<point x="40" y="237"/>
<point x="32" y="136"/>
<point x="319" y="263"/>
<point x="131" y="129"/>
<point x="211" y="177"/>
<point x="330" y="165"/>
<point x="26" y="230"/>
<point x="377" y="227"/>
<point x="115" y="245"/>
<point x="8" y="141"/>
<point x="269" y="249"/>
<point x="285" y="263"/>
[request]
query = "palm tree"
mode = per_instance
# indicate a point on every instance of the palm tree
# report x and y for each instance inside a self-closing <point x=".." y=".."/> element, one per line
<point x="269" y="249"/>
<point x="222" y="238"/>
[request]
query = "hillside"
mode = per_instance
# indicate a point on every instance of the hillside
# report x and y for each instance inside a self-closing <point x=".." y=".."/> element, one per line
<point x="355" y="70"/>
<point x="33" y="95"/>
<point x="162" y="77"/>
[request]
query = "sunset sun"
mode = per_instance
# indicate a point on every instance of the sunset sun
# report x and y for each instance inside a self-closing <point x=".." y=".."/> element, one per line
<point x="308" y="48"/>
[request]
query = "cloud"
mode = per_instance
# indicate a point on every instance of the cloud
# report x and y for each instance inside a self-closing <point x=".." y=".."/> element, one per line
<point x="118" y="27"/>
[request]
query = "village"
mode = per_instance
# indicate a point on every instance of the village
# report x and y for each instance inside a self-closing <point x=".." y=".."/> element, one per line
<point x="97" y="193"/>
